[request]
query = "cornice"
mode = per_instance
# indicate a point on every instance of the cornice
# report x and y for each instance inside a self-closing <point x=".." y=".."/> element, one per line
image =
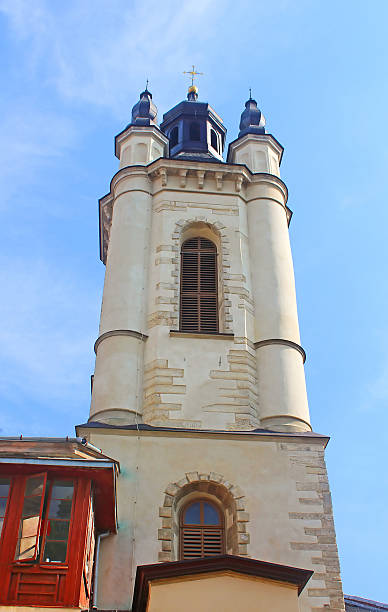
<point x="221" y="170"/>
<point x="119" y="332"/>
<point x="226" y="178"/>
<point x="289" y="343"/>
<point x="257" y="435"/>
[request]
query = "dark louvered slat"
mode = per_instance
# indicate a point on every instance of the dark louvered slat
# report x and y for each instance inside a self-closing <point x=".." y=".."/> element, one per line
<point x="206" y="244"/>
<point x="192" y="543"/>
<point x="201" y="542"/>
<point x="199" y="311"/>
<point x="201" y="539"/>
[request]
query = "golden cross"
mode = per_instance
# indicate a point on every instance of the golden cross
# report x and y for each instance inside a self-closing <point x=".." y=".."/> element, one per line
<point x="192" y="73"/>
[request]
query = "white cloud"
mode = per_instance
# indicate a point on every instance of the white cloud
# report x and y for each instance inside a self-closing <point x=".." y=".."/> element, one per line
<point x="98" y="52"/>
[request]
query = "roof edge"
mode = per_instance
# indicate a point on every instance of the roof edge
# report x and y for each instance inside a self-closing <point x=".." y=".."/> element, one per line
<point x="143" y="427"/>
<point x="252" y="567"/>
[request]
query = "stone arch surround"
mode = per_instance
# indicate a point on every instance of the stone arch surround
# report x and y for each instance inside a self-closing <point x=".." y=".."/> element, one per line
<point x="225" y="264"/>
<point x="231" y="497"/>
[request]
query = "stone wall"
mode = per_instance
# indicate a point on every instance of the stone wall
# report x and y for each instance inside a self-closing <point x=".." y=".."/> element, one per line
<point x="273" y="488"/>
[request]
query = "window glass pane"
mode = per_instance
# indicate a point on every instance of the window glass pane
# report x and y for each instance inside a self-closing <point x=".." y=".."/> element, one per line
<point x="60" y="508"/>
<point x="4" y="487"/>
<point x="27" y="545"/>
<point x="58" y="530"/>
<point x="213" y="140"/>
<point x="3" y="505"/>
<point x="55" y="552"/>
<point x="26" y="548"/>
<point x="192" y="514"/>
<point x="58" y="521"/>
<point x="34" y="486"/>
<point x="210" y="515"/>
<point x="31" y="506"/>
<point x="62" y="489"/>
<point x="4" y="491"/>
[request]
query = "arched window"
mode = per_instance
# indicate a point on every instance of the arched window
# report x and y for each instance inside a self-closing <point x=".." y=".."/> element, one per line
<point x="213" y="140"/>
<point x="195" y="132"/>
<point x="201" y="530"/>
<point x="199" y="304"/>
<point x="174" y="137"/>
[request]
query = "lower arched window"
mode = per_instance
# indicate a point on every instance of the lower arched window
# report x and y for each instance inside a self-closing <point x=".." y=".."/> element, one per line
<point x="201" y="530"/>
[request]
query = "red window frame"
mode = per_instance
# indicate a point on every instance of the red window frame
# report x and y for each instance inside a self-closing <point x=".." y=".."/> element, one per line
<point x="7" y="503"/>
<point x="47" y="519"/>
<point x="37" y="534"/>
<point x="44" y="520"/>
<point x="47" y="583"/>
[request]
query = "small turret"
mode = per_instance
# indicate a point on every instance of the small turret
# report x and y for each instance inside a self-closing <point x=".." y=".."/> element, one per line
<point x="252" y="119"/>
<point x="142" y="141"/>
<point x="144" y="112"/>
<point x="259" y="151"/>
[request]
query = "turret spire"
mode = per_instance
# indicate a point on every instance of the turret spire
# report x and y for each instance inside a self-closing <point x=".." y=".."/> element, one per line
<point x="252" y="119"/>
<point x="144" y="112"/>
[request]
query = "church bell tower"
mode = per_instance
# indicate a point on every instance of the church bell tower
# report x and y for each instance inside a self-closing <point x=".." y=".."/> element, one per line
<point x="199" y="387"/>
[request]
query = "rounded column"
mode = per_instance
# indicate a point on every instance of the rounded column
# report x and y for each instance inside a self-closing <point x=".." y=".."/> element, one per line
<point x="281" y="381"/>
<point x="118" y="379"/>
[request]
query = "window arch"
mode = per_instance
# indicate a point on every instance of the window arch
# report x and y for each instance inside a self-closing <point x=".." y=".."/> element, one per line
<point x="214" y="140"/>
<point x="201" y="530"/>
<point x="174" y="137"/>
<point x="195" y="132"/>
<point x="198" y="296"/>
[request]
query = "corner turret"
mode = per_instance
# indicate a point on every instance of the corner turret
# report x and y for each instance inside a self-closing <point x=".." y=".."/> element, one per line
<point x="142" y="141"/>
<point x="259" y="151"/>
<point x="252" y="119"/>
<point x="144" y="112"/>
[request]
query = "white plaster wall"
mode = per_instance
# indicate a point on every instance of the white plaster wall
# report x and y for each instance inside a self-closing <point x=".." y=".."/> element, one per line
<point x="203" y="401"/>
<point x="140" y="146"/>
<point x="247" y="219"/>
<point x="117" y="388"/>
<point x="260" y="153"/>
<point x="270" y="472"/>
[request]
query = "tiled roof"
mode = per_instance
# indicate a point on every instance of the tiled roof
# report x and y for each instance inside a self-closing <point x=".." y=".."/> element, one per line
<point x="359" y="604"/>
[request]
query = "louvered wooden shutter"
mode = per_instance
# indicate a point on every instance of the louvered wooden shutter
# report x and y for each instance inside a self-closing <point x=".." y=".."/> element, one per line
<point x="201" y="539"/>
<point x="201" y="542"/>
<point x="199" y="307"/>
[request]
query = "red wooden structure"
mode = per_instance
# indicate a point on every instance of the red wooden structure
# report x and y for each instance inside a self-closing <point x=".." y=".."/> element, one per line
<point x="51" y="511"/>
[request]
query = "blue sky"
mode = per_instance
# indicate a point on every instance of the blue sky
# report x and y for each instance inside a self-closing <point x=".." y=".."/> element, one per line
<point x="71" y="72"/>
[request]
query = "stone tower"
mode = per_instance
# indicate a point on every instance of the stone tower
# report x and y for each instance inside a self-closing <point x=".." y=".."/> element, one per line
<point x="199" y="388"/>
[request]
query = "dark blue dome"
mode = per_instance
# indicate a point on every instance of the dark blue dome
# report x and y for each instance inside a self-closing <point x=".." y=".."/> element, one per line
<point x="252" y="119"/>
<point x="194" y="130"/>
<point x="145" y="111"/>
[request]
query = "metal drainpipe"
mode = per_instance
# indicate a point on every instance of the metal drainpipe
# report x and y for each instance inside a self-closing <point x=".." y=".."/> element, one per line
<point x="96" y="562"/>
